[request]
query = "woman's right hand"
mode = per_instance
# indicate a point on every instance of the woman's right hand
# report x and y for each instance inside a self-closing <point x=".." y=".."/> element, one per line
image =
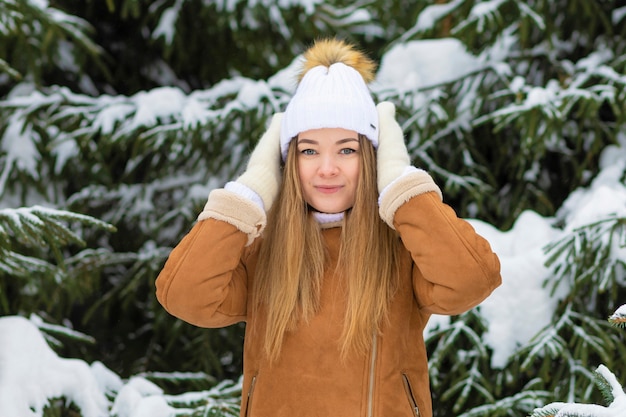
<point x="262" y="173"/>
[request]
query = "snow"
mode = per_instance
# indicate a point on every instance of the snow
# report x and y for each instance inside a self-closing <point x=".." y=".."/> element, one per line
<point x="307" y="5"/>
<point x="618" y="14"/>
<point x="524" y="272"/>
<point x="31" y="373"/>
<point x="252" y="93"/>
<point x="157" y="103"/>
<point x="17" y="144"/>
<point x="166" y="27"/>
<point x="621" y="311"/>
<point x="483" y="12"/>
<point x="141" y="398"/>
<point x="425" y="64"/>
<point x="194" y="113"/>
<point x="63" y="152"/>
<point x="432" y="14"/>
<point x="115" y="111"/>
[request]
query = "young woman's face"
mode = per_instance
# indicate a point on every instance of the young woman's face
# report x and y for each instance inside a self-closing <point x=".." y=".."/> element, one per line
<point x="328" y="166"/>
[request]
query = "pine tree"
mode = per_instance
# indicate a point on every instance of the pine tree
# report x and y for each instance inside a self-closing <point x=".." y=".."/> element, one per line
<point x="520" y="130"/>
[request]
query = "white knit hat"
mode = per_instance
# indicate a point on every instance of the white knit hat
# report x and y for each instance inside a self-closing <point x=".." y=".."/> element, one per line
<point x="333" y="94"/>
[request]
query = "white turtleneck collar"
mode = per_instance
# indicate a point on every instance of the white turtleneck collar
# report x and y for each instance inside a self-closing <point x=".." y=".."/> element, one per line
<point x="328" y="219"/>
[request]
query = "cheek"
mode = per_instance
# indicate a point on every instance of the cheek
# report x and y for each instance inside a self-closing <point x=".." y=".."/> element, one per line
<point x="304" y="175"/>
<point x="301" y="174"/>
<point x="354" y="173"/>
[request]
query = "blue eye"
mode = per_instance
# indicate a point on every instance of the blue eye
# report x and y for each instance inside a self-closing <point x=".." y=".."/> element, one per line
<point x="308" y="152"/>
<point x="347" y="151"/>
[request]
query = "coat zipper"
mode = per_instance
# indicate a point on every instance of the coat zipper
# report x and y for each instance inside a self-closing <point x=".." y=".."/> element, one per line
<point x="250" y="392"/>
<point x="409" y="394"/>
<point x="370" y="395"/>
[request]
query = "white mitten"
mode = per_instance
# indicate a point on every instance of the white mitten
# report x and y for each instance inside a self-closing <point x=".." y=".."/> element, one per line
<point x="262" y="175"/>
<point x="244" y="202"/>
<point x="392" y="156"/>
<point x="398" y="180"/>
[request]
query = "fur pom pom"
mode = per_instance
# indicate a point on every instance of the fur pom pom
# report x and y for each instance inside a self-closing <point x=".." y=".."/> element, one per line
<point x="331" y="51"/>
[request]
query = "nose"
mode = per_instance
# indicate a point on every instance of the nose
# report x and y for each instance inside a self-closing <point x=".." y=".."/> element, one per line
<point x="328" y="166"/>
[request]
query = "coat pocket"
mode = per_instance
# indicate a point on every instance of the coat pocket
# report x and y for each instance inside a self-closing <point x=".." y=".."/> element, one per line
<point x="410" y="396"/>
<point x="250" y="394"/>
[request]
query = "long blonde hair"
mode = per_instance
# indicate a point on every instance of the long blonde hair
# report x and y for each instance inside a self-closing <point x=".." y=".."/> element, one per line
<point x="292" y="261"/>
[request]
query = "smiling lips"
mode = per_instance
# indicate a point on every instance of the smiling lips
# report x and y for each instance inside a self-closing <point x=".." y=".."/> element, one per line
<point x="328" y="189"/>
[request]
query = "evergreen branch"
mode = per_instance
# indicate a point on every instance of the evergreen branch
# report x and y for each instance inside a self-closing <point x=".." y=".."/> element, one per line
<point x="611" y="390"/>
<point x="547" y="342"/>
<point x="142" y="268"/>
<point x="559" y="409"/>
<point x="472" y="382"/>
<point x="592" y="334"/>
<point x="17" y="265"/>
<point x="428" y="19"/>
<point x="482" y="17"/>
<point x="135" y="202"/>
<point x="588" y="253"/>
<point x="527" y="11"/>
<point x="618" y="318"/>
<point x="7" y="69"/>
<point x="178" y="377"/>
<point x="48" y="330"/>
<point x="221" y="400"/>
<point x="547" y="411"/>
<point x="69" y="25"/>
<point x="453" y="180"/>
<point x="513" y="405"/>
<point x="584" y="335"/>
<point x="450" y="339"/>
<point x="42" y="229"/>
<point x="31" y="25"/>
<point x="37" y="225"/>
<point x="604" y="379"/>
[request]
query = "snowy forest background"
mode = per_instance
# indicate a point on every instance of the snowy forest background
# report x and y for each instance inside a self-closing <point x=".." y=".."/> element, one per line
<point x="118" y="117"/>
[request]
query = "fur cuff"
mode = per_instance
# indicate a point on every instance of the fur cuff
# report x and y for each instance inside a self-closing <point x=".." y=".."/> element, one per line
<point x="234" y="209"/>
<point x="402" y="190"/>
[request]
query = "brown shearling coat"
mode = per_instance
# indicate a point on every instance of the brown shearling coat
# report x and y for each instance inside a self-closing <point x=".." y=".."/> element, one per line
<point x="446" y="268"/>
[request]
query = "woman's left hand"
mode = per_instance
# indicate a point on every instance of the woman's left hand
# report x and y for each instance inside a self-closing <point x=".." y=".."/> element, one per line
<point x="392" y="155"/>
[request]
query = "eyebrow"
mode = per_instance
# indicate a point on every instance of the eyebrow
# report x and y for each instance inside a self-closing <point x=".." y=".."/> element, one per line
<point x="339" y="142"/>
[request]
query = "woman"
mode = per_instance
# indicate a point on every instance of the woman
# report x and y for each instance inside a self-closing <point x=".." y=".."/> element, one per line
<point x="335" y="251"/>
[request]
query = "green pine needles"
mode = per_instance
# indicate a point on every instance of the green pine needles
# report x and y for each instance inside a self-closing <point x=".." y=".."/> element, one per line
<point x="34" y="255"/>
<point x="586" y="257"/>
<point x="606" y="382"/>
